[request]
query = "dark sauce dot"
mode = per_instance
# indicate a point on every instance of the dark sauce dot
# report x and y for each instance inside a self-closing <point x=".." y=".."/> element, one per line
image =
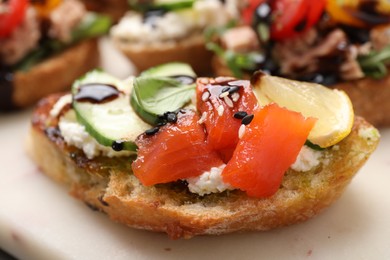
<point x="161" y="123"/>
<point x="301" y="25"/>
<point x="368" y="14"/>
<point x="247" y="119"/>
<point x="152" y="131"/>
<point x="184" y="79"/>
<point x="360" y="36"/>
<point x="171" y="117"/>
<point x="270" y="66"/>
<point x="240" y="114"/>
<point x="323" y="79"/>
<point x="149" y="17"/>
<point x="117" y="145"/>
<point x="96" y="93"/>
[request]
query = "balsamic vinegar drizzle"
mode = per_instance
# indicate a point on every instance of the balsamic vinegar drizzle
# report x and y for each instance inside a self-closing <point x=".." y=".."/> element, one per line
<point x="96" y="93"/>
<point x="149" y="17"/>
<point x="117" y="145"/>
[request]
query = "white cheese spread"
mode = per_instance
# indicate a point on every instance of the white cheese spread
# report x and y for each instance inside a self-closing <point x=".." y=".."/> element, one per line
<point x="60" y="104"/>
<point x="209" y="182"/>
<point x="307" y="159"/>
<point x="75" y="134"/>
<point x="173" y="25"/>
<point x="371" y="134"/>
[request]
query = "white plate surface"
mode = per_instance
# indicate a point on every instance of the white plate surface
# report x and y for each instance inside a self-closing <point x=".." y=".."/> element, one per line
<point x="38" y="220"/>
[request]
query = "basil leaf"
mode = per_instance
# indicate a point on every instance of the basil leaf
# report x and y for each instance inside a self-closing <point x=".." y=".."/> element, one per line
<point x="153" y="96"/>
<point x="375" y="63"/>
<point x="92" y="25"/>
<point x="237" y="62"/>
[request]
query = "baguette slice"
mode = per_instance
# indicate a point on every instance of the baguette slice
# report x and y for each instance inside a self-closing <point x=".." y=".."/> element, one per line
<point x="191" y="50"/>
<point x="370" y="97"/>
<point x="50" y="76"/>
<point x="108" y="185"/>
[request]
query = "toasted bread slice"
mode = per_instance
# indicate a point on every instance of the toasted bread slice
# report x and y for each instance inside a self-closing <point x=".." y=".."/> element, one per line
<point x="108" y="185"/>
<point x="369" y="96"/>
<point x="191" y="50"/>
<point x="50" y="76"/>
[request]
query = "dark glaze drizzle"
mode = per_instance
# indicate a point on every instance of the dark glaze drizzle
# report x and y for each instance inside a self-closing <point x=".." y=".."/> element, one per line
<point x="96" y="93"/>
<point x="6" y="89"/>
<point x="367" y="12"/>
<point x="230" y="85"/>
<point x="149" y="17"/>
<point x="329" y="65"/>
<point x="117" y="145"/>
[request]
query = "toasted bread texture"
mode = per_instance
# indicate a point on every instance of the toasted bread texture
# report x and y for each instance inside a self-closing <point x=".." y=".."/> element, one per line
<point x="370" y="97"/>
<point x="108" y="185"/>
<point x="191" y="50"/>
<point x="52" y="75"/>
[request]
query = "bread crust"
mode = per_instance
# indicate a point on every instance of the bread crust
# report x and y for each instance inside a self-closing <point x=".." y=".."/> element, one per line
<point x="370" y="97"/>
<point x="191" y="50"/>
<point x="109" y="186"/>
<point x="54" y="74"/>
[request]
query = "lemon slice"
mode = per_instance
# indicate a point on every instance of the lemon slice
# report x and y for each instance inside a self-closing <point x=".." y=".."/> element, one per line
<point x="332" y="108"/>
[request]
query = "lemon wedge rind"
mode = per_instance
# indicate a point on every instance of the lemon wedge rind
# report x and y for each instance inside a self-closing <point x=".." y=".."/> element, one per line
<point x="331" y="107"/>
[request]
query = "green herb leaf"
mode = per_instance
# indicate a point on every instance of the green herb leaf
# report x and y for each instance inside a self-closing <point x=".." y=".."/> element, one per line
<point x="143" y="6"/>
<point x="91" y="26"/>
<point x="153" y="96"/>
<point x="375" y="64"/>
<point x="237" y="62"/>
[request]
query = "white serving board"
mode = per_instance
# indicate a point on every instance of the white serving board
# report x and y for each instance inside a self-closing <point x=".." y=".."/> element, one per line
<point x="39" y="220"/>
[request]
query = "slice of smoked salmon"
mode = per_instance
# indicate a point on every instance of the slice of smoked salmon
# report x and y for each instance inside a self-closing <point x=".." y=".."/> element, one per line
<point x="177" y="151"/>
<point x="270" y="144"/>
<point x="217" y="102"/>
